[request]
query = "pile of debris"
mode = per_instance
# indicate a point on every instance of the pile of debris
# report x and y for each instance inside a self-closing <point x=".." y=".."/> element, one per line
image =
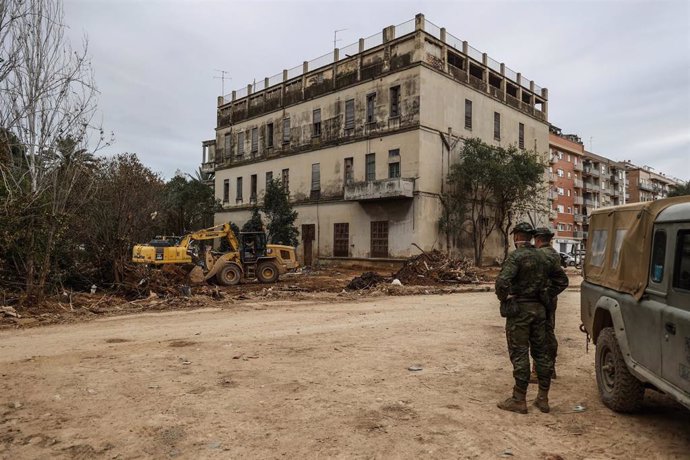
<point x="436" y="268"/>
<point x="365" y="281"/>
<point x="167" y="281"/>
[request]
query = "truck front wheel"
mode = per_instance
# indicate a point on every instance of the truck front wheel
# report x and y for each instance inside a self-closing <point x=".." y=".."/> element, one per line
<point x="618" y="388"/>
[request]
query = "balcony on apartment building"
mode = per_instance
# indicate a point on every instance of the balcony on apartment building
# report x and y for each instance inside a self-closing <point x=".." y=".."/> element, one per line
<point x="607" y="190"/>
<point x="553" y="214"/>
<point x="580" y="235"/>
<point x="578" y="218"/>
<point x="578" y="200"/>
<point x="551" y="176"/>
<point x="591" y="171"/>
<point x="577" y="166"/>
<point x="384" y="189"/>
<point x="590" y="187"/>
<point x="577" y="183"/>
<point x="589" y="203"/>
<point x="644" y="185"/>
<point x="551" y="195"/>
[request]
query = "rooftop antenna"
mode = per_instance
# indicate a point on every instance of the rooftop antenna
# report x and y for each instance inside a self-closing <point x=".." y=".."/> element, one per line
<point x="335" y="36"/>
<point x="222" y="79"/>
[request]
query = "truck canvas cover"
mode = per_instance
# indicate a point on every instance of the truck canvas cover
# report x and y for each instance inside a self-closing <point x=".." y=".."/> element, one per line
<point x="619" y="245"/>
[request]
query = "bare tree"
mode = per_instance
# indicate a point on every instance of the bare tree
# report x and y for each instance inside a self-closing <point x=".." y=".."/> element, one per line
<point x="47" y="106"/>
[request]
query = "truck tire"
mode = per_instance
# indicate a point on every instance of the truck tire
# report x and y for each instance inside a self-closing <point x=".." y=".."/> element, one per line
<point x="267" y="272"/>
<point x="619" y="390"/>
<point x="229" y="275"/>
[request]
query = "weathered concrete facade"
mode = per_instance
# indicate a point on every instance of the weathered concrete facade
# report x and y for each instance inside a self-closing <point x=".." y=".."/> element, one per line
<point x="362" y="142"/>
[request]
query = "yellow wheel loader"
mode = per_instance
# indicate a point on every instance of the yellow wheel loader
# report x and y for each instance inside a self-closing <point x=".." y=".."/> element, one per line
<point x="248" y="257"/>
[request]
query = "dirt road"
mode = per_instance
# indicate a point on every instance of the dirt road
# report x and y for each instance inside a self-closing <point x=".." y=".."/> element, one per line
<point x="296" y="380"/>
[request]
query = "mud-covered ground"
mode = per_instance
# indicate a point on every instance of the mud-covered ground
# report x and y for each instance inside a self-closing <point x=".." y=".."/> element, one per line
<point x="311" y="378"/>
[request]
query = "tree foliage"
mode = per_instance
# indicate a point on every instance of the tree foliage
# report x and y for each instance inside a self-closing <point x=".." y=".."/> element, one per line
<point x="189" y="204"/>
<point x="280" y="215"/>
<point x="487" y="189"/>
<point x="680" y="190"/>
<point x="255" y="223"/>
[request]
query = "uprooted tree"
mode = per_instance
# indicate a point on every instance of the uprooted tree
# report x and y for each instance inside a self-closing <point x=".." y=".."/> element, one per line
<point x="488" y="188"/>
<point x="280" y="215"/>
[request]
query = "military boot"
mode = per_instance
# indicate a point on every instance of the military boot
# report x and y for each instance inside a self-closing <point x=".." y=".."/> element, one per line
<point x="516" y="403"/>
<point x="542" y="401"/>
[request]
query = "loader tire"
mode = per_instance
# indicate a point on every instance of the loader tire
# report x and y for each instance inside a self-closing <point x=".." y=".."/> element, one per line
<point x="618" y="388"/>
<point x="267" y="272"/>
<point x="229" y="275"/>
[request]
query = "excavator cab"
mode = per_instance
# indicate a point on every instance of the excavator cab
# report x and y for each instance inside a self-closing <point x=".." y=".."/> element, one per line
<point x="252" y="246"/>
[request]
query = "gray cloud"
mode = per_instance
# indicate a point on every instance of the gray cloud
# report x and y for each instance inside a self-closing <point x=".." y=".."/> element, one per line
<point x="617" y="72"/>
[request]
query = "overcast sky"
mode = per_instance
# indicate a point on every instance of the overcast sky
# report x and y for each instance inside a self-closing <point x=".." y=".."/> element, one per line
<point x="618" y="72"/>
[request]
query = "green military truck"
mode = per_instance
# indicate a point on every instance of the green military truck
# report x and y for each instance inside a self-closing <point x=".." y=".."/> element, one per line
<point x="635" y="300"/>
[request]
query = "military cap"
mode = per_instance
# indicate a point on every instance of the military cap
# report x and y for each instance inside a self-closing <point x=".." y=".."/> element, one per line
<point x="543" y="231"/>
<point x="523" y="227"/>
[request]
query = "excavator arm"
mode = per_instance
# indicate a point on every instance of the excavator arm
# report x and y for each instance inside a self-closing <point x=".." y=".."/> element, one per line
<point x="219" y="231"/>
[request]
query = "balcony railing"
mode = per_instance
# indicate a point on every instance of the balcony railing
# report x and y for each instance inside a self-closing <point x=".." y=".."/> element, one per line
<point x="580" y="234"/>
<point x="589" y="203"/>
<point x="646" y="186"/>
<point x="208" y="167"/>
<point x="577" y="166"/>
<point x="591" y="171"/>
<point x="590" y="187"/>
<point x="577" y="200"/>
<point x="578" y="183"/>
<point x="551" y="176"/>
<point x="578" y="217"/>
<point x="383" y="189"/>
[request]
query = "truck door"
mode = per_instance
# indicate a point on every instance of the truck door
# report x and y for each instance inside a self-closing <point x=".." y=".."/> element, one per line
<point x="675" y="343"/>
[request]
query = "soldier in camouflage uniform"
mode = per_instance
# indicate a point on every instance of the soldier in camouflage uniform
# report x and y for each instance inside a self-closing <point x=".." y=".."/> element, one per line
<point x="524" y="279"/>
<point x="542" y="241"/>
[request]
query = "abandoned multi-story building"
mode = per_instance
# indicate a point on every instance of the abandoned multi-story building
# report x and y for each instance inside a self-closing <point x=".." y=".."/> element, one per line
<point x="363" y="138"/>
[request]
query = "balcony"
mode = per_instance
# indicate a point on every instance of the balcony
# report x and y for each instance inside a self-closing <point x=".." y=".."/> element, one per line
<point x="208" y="167"/>
<point x="577" y="166"/>
<point x="646" y="186"/>
<point x="384" y="189"/>
<point x="577" y="200"/>
<point x="589" y="203"/>
<point x="582" y="235"/>
<point x="590" y="187"/>
<point x="551" y="176"/>
<point x="553" y="214"/>
<point x="578" y="218"/>
<point x="578" y="183"/>
<point x="591" y="171"/>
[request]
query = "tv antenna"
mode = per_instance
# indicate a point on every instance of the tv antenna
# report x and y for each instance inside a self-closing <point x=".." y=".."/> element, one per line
<point x="335" y="36"/>
<point x="222" y="79"/>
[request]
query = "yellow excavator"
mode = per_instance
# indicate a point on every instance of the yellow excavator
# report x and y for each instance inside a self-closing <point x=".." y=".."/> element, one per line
<point x="250" y="257"/>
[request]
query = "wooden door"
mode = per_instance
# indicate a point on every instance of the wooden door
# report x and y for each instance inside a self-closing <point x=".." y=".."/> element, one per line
<point x="308" y="237"/>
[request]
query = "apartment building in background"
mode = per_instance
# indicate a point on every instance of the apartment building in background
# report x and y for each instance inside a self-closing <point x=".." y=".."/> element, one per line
<point x="363" y="139"/>
<point x="581" y="181"/>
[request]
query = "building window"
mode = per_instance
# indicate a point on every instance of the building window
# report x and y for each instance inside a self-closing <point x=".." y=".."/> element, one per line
<point x="468" y="114"/>
<point x="286" y="131"/>
<point x="568" y="173"/>
<point x="568" y="158"/>
<point x="395" y="101"/>
<point x="255" y="140"/>
<point x="226" y="190"/>
<point x="228" y="144"/>
<point x="570" y="210"/>
<point x="316" y="123"/>
<point x="568" y="191"/>
<point x="560" y="208"/>
<point x="341" y="240"/>
<point x="349" y="173"/>
<point x="269" y="178"/>
<point x="238" y="196"/>
<point x="394" y="164"/>
<point x="560" y="172"/>
<point x="252" y="189"/>
<point x="371" y="105"/>
<point x="269" y="135"/>
<point x="521" y="135"/>
<point x="497" y="126"/>
<point x="315" y="177"/>
<point x="561" y="191"/>
<point x="350" y="114"/>
<point x="370" y="172"/>
<point x="240" y="144"/>
<point x="286" y="179"/>
<point x="379" y="239"/>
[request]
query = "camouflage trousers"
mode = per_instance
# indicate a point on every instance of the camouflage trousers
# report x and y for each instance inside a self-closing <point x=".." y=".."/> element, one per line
<point x="527" y="333"/>
<point x="551" y="341"/>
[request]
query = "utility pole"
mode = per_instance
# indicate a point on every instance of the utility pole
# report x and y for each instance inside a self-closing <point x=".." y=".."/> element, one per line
<point x="222" y="79"/>
<point x="335" y="36"/>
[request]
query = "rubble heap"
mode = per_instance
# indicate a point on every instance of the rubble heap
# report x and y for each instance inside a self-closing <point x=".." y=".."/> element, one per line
<point x="141" y="281"/>
<point x="436" y="268"/>
<point x="365" y="281"/>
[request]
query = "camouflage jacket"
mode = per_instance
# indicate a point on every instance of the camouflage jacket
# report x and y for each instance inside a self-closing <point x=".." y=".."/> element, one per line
<point x="523" y="274"/>
<point x="558" y="280"/>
